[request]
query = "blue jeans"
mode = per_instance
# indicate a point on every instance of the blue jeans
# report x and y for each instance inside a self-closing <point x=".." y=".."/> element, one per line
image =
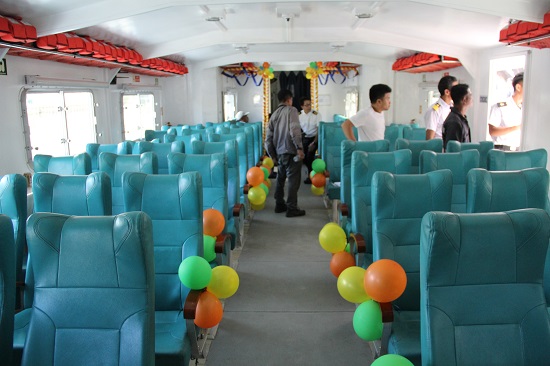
<point x="288" y="168"/>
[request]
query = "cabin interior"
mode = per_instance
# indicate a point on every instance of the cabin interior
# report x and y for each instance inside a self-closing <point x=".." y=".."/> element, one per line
<point x="186" y="62"/>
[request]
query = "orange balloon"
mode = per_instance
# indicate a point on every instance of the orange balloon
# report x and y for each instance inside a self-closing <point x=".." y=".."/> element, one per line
<point x="255" y="176"/>
<point x="318" y="180"/>
<point x="385" y="280"/>
<point x="209" y="310"/>
<point x="213" y="222"/>
<point x="267" y="182"/>
<point x="341" y="261"/>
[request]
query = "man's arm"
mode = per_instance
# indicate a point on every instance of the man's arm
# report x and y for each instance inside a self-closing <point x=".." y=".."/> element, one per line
<point x="296" y="132"/>
<point x="430" y="134"/>
<point x="495" y="131"/>
<point x="453" y="131"/>
<point x="270" y="148"/>
<point x="347" y="127"/>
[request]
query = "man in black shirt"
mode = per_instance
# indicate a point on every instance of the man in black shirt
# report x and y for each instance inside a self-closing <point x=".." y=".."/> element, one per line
<point x="456" y="125"/>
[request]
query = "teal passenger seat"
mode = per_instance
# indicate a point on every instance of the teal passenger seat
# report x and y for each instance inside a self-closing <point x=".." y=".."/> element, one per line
<point x="80" y="164"/>
<point x="94" y="150"/>
<point x="482" y="299"/>
<point x="174" y="204"/>
<point x="7" y="289"/>
<point x="115" y="165"/>
<point x="516" y="160"/>
<point x="399" y="202"/>
<point x="459" y="164"/>
<point x="483" y="147"/>
<point x="435" y="145"/>
<point x="161" y="150"/>
<point x="94" y="290"/>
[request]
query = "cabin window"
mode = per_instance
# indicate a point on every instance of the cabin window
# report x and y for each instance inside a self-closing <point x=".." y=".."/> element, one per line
<point x="138" y="115"/>
<point x="229" y="105"/>
<point x="352" y="102"/>
<point x="58" y="123"/>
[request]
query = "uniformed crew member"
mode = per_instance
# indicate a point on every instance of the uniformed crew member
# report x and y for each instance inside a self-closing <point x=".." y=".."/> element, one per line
<point x="456" y="125"/>
<point x="505" y="118"/>
<point x="438" y="112"/>
<point x="241" y="117"/>
<point x="309" y="122"/>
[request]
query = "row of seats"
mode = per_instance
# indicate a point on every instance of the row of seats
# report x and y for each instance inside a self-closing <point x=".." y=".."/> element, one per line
<point x="97" y="267"/>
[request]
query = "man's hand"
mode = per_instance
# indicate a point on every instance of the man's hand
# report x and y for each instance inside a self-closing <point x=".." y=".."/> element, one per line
<point x="301" y="154"/>
<point x="311" y="147"/>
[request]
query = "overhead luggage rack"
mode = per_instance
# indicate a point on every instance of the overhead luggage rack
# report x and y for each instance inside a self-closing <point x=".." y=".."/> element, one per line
<point x="425" y="62"/>
<point x="21" y="40"/>
<point x="528" y="34"/>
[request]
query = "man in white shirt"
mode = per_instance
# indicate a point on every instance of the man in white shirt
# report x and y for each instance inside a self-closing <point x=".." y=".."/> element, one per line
<point x="438" y="112"/>
<point x="309" y="122"/>
<point x="505" y="118"/>
<point x="370" y="122"/>
<point x="241" y="117"/>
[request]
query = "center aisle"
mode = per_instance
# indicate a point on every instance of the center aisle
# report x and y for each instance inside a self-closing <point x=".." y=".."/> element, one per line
<point x="287" y="310"/>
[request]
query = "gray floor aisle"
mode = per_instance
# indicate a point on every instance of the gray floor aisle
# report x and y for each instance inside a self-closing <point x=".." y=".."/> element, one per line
<point x="287" y="310"/>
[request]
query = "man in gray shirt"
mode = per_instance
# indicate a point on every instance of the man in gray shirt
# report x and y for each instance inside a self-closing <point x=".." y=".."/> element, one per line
<point x="283" y="143"/>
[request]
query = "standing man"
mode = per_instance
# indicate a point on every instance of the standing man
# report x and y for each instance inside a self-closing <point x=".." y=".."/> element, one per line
<point x="370" y="122"/>
<point x="283" y="142"/>
<point x="456" y="125"/>
<point x="309" y="122"/>
<point x="505" y="118"/>
<point x="438" y="112"/>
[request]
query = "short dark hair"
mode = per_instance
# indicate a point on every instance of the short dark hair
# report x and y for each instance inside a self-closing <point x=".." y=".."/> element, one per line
<point x="517" y="79"/>
<point x="458" y="92"/>
<point x="378" y="91"/>
<point x="303" y="100"/>
<point x="446" y="83"/>
<point x="283" y="95"/>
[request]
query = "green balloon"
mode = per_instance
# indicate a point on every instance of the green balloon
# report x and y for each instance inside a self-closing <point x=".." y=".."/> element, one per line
<point x="391" y="360"/>
<point x="313" y="64"/>
<point x="266" y="172"/>
<point x="367" y="321"/>
<point x="319" y="165"/>
<point x="347" y="249"/>
<point x="264" y="187"/>
<point x="270" y="69"/>
<point x="195" y="272"/>
<point x="312" y="174"/>
<point x="209" y="244"/>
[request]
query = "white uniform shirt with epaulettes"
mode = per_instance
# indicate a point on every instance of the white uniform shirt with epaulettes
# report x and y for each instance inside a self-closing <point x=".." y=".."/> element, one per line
<point x="435" y="116"/>
<point x="506" y="114"/>
<point x="309" y="122"/>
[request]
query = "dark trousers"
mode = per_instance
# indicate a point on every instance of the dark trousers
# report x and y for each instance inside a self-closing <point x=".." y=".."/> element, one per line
<point x="288" y="168"/>
<point x="310" y="153"/>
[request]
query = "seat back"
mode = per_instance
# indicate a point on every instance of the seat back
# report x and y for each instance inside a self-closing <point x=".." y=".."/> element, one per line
<point x="414" y="133"/>
<point x="82" y="195"/>
<point x="435" y="145"/>
<point x="250" y="143"/>
<point x="243" y="152"/>
<point x="398" y="204"/>
<point x="459" y="164"/>
<point x="80" y="164"/>
<point x="363" y="167"/>
<point x="334" y="135"/>
<point x="470" y="265"/>
<point x="392" y="133"/>
<point x="174" y="204"/>
<point x="347" y="148"/>
<point x="230" y="149"/>
<point x="162" y="150"/>
<point x="7" y="288"/>
<point x="516" y="160"/>
<point x="258" y="147"/>
<point x="116" y="165"/>
<point x="153" y="134"/>
<point x="92" y="303"/>
<point x="13" y="204"/>
<point x="94" y="150"/>
<point x="483" y="147"/>
<point x="186" y="139"/>
<point x="213" y="170"/>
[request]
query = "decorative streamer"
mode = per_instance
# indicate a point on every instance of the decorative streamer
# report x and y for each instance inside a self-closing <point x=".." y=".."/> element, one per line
<point x="267" y="73"/>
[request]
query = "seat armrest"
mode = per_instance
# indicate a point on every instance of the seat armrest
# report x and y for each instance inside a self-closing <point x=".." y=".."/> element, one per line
<point x="190" y="305"/>
<point x="189" y="311"/>
<point x="246" y="188"/>
<point x="222" y="249"/>
<point x="357" y="243"/>
<point x="237" y="209"/>
<point x="220" y="243"/>
<point x="344" y="209"/>
<point x="387" y="312"/>
<point x="327" y="173"/>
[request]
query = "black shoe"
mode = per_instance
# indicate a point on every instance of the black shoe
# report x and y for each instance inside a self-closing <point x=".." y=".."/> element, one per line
<point x="280" y="208"/>
<point x="307" y="181"/>
<point x="295" y="213"/>
<point x="273" y="175"/>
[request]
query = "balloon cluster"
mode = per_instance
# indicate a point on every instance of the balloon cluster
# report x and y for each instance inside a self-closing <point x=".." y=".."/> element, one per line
<point x="314" y="69"/>
<point x="218" y="283"/>
<point x="266" y="71"/>
<point x="383" y="281"/>
<point x="317" y="176"/>
<point x="213" y="224"/>
<point x="258" y="178"/>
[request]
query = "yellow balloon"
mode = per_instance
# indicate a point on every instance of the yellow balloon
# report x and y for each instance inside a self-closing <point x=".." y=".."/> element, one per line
<point x="350" y="285"/>
<point x="268" y="162"/>
<point x="224" y="282"/>
<point x="332" y="238"/>
<point x="318" y="191"/>
<point x="308" y="76"/>
<point x="256" y="195"/>
<point x="257" y="207"/>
